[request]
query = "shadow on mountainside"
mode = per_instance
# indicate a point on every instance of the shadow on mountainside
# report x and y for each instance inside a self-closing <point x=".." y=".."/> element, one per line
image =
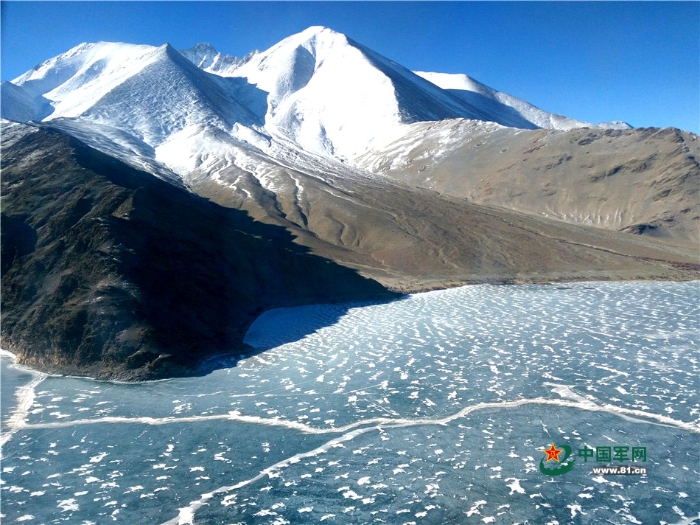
<point x="113" y="273"/>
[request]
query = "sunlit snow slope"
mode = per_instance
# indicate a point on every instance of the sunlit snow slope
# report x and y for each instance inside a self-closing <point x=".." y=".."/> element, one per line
<point x="316" y="91"/>
<point x="501" y="107"/>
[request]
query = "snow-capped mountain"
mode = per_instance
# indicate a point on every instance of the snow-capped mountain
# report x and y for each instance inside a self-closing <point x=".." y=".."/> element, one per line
<point x="318" y="92"/>
<point x="335" y="97"/>
<point x="317" y="105"/>
<point x="204" y="56"/>
<point x="151" y="91"/>
<point x="507" y="109"/>
<point x="139" y="103"/>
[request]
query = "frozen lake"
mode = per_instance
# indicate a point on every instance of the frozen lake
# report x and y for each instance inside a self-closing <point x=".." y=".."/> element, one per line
<point x="432" y="409"/>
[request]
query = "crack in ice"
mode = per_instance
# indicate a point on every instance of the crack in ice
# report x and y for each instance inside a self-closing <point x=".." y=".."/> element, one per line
<point x="627" y="413"/>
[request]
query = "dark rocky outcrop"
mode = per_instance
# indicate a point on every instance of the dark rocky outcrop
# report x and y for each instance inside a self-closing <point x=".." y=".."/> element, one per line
<point x="110" y="272"/>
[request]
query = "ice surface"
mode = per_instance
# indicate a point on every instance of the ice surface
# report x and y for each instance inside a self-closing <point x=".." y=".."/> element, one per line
<point x="431" y="409"/>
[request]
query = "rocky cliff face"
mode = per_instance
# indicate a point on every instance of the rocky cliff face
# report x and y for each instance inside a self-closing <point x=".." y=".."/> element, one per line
<point x="113" y="273"/>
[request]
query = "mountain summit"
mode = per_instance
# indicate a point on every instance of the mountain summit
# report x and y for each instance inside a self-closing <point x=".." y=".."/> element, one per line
<point x="337" y="98"/>
<point x="319" y="89"/>
<point x="204" y="56"/>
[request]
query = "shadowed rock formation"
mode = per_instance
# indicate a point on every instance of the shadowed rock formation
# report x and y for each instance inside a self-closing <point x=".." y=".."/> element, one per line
<point x="113" y="273"/>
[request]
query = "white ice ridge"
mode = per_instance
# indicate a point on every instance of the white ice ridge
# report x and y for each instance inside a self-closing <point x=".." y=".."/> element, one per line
<point x="566" y="392"/>
<point x="688" y="521"/>
<point x="3" y="352"/>
<point x="186" y="514"/>
<point x="25" y="397"/>
<point x="235" y="415"/>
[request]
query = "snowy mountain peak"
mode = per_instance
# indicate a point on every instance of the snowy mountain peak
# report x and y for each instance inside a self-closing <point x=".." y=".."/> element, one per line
<point x="336" y="98"/>
<point x="316" y="91"/>
<point x="206" y="57"/>
<point x="316" y="40"/>
<point x="615" y="124"/>
<point x="202" y="55"/>
<point x="317" y="33"/>
<point x="130" y="100"/>
<point x="204" y="47"/>
<point x="315" y="30"/>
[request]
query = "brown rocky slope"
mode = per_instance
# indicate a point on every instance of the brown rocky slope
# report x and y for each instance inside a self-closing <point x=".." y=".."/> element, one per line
<point x="643" y="181"/>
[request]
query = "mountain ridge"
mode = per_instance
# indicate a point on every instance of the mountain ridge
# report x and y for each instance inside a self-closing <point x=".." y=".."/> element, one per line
<point x="285" y="95"/>
<point x="67" y="65"/>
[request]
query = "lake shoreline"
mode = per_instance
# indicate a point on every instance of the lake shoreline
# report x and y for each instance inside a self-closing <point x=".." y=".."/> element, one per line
<point x="244" y="351"/>
<point x="414" y="287"/>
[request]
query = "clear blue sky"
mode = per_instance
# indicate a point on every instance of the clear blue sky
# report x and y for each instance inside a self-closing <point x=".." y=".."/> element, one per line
<point x="593" y="61"/>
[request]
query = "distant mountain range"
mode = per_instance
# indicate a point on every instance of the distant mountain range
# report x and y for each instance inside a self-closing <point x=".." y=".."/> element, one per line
<point x="406" y="180"/>
<point x="319" y="89"/>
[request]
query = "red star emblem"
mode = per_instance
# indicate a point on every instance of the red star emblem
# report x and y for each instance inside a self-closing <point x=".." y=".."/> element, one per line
<point x="553" y="453"/>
